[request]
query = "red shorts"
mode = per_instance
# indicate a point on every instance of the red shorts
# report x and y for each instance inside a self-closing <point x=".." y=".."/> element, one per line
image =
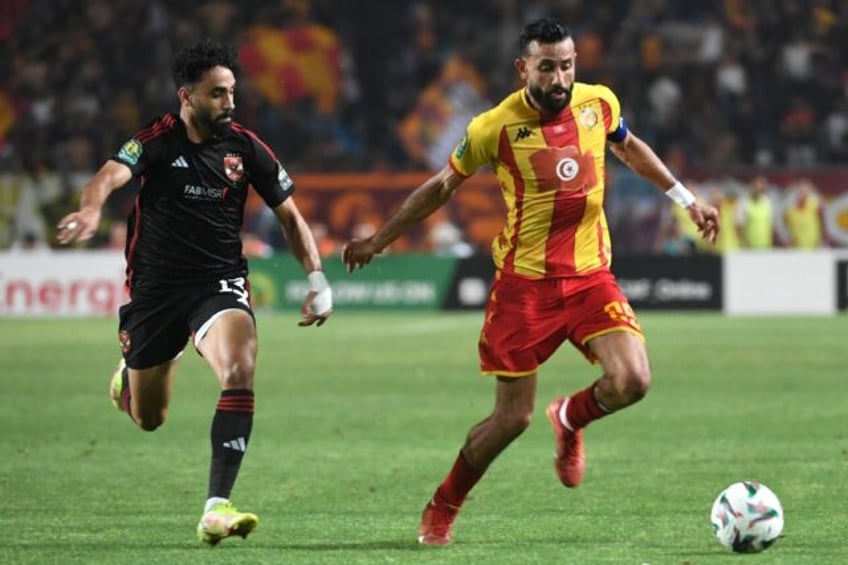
<point x="527" y="320"/>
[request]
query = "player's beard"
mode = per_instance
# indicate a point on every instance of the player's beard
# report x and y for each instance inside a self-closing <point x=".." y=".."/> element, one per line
<point x="218" y="125"/>
<point x="547" y="101"/>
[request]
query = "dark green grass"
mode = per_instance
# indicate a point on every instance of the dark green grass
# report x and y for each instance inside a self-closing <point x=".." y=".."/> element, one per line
<point x="359" y="420"/>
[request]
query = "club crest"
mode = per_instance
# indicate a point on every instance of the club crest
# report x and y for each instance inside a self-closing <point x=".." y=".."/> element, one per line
<point x="125" y="341"/>
<point x="233" y="167"/>
<point x="589" y="118"/>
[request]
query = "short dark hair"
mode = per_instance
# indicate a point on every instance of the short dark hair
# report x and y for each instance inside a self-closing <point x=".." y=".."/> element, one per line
<point x="546" y="30"/>
<point x="194" y="60"/>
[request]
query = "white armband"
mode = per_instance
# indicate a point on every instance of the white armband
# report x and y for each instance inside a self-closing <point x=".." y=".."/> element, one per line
<point x="681" y="195"/>
<point x="318" y="284"/>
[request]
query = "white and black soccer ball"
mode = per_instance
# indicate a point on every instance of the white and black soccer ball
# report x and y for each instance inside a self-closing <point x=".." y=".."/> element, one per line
<point x="747" y="517"/>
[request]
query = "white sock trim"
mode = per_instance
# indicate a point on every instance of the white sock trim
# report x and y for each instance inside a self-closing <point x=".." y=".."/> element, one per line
<point x="212" y="502"/>
<point x="562" y="417"/>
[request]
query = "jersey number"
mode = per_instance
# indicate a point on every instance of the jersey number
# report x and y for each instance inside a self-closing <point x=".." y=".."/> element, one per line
<point x="622" y="312"/>
<point x="235" y="286"/>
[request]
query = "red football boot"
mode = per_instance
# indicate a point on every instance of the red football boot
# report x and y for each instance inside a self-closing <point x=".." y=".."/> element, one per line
<point x="436" y="522"/>
<point x="569" y="459"/>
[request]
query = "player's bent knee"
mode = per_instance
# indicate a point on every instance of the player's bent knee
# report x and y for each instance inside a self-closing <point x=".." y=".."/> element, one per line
<point x="636" y="385"/>
<point x="629" y="385"/>
<point x="238" y="375"/>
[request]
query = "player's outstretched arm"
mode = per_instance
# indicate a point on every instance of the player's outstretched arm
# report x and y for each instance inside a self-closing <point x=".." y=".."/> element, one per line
<point x="642" y="160"/>
<point x="318" y="304"/>
<point x="82" y="224"/>
<point x="424" y="200"/>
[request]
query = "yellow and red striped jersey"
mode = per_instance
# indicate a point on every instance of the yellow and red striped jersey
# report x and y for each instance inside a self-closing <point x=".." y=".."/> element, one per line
<point x="551" y="173"/>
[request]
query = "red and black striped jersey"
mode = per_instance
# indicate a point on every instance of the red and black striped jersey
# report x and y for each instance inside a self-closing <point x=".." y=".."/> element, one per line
<point x="551" y="173"/>
<point x="186" y="224"/>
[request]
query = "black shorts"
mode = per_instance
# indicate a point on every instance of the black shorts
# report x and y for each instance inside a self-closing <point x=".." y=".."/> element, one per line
<point x="155" y="325"/>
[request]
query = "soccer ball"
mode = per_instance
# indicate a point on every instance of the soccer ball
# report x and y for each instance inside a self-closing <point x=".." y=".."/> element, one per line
<point x="747" y="517"/>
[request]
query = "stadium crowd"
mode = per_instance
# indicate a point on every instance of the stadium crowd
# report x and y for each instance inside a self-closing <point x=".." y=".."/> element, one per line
<point x="715" y="86"/>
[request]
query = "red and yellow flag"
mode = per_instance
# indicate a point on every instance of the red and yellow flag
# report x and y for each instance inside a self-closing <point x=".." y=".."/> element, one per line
<point x="290" y="64"/>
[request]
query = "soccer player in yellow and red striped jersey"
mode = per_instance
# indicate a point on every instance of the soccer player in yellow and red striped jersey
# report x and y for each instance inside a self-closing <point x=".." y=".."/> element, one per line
<point x="547" y="144"/>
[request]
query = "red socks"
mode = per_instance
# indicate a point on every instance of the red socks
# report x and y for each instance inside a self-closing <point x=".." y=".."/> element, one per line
<point x="583" y="408"/>
<point x="459" y="482"/>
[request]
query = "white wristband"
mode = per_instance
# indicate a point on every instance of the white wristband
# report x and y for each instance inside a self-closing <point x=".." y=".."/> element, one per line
<point x="681" y="195"/>
<point x="317" y="281"/>
<point x="318" y="284"/>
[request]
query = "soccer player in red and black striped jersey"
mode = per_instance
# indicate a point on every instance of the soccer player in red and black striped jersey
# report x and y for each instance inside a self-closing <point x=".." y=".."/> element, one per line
<point x="186" y="273"/>
<point x="546" y="143"/>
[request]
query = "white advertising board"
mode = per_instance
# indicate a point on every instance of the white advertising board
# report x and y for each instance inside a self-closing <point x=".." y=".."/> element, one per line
<point x="780" y="282"/>
<point x="69" y="283"/>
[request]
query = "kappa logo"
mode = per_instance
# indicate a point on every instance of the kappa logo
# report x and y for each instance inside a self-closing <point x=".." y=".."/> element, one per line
<point x="523" y="133"/>
<point x="180" y="163"/>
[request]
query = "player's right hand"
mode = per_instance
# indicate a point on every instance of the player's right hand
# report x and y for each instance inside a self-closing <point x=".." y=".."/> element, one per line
<point x="77" y="226"/>
<point x="318" y="304"/>
<point x="357" y="253"/>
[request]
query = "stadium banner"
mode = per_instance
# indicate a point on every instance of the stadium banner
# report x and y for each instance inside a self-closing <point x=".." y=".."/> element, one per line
<point x="413" y="281"/>
<point x="469" y="286"/>
<point x="653" y="282"/>
<point x="67" y="283"/>
<point x="650" y="282"/>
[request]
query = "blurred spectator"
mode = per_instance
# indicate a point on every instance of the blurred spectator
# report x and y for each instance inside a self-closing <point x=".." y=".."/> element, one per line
<point x="798" y="129"/>
<point x="354" y="86"/>
<point x="728" y="238"/>
<point x="29" y="243"/>
<point x="836" y="132"/>
<point x="679" y="234"/>
<point x="803" y="216"/>
<point x="117" y="236"/>
<point x="755" y="214"/>
<point x="253" y="246"/>
<point x="327" y="245"/>
<point x="446" y="240"/>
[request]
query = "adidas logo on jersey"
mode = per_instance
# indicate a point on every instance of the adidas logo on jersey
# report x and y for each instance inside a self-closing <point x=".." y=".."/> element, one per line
<point x="523" y="133"/>
<point x="180" y="163"/>
<point x="238" y="444"/>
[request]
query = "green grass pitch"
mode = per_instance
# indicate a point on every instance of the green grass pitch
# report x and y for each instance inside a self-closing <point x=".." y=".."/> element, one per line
<point x="359" y="420"/>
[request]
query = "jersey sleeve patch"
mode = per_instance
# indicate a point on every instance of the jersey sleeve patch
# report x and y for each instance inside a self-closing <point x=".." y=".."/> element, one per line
<point x="130" y="152"/>
<point x="283" y="178"/>
<point x="461" y="147"/>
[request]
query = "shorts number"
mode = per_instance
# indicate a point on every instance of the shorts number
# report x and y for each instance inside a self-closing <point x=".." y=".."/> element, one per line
<point x="622" y="312"/>
<point x="235" y="286"/>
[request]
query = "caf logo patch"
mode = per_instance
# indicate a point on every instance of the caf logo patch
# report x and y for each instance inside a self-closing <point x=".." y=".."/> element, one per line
<point x="130" y="152"/>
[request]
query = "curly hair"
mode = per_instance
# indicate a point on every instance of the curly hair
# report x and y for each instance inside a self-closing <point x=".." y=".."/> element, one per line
<point x="194" y="60"/>
<point x="546" y="30"/>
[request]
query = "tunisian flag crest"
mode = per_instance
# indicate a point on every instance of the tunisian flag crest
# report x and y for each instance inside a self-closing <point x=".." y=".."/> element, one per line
<point x="234" y="167"/>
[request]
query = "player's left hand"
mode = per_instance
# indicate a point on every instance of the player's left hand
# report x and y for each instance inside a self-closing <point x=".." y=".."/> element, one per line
<point x="706" y="218"/>
<point x="318" y="304"/>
